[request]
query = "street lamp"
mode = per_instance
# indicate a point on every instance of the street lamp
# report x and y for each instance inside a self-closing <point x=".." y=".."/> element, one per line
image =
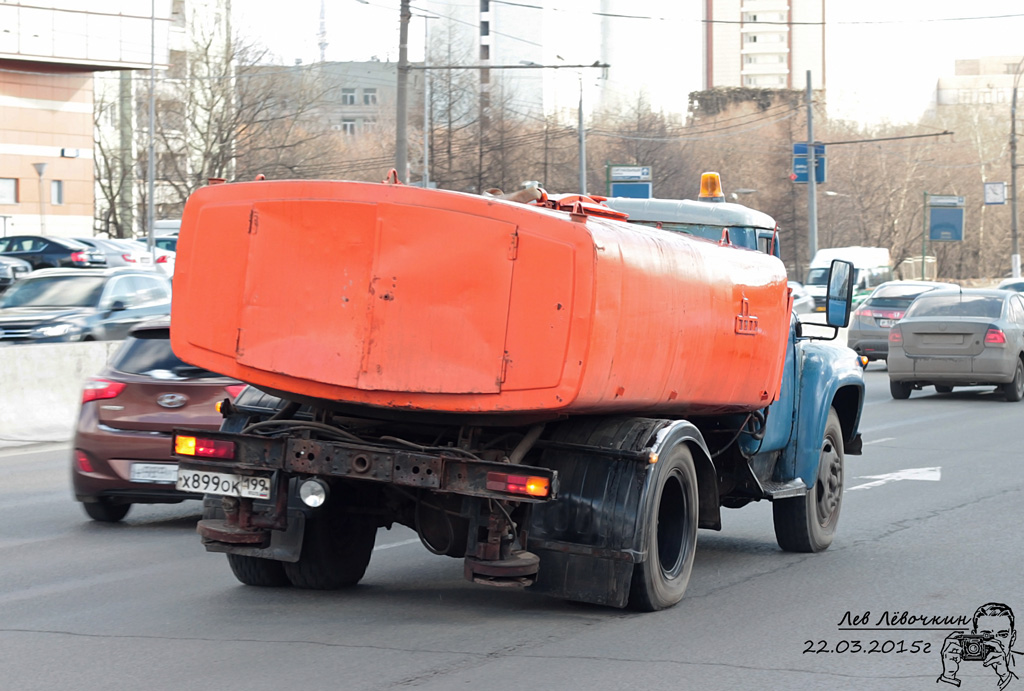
<point x="1015" y="255"/>
<point x="40" y="169"/>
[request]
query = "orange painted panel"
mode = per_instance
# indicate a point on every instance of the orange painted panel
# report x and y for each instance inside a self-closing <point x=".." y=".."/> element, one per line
<point x="428" y="300"/>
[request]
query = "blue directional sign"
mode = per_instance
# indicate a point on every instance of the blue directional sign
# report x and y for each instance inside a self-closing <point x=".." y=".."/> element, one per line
<point x="800" y="149"/>
<point x="800" y="169"/>
<point x="800" y="163"/>
<point x="946" y="224"/>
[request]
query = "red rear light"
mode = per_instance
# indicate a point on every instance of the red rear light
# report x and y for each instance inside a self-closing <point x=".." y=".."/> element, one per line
<point x="78" y="256"/>
<point x="162" y="259"/>
<point x="82" y="461"/>
<point x="995" y="337"/>
<point x="128" y="258"/>
<point x="234" y="390"/>
<point x="895" y="336"/>
<point x="97" y="389"/>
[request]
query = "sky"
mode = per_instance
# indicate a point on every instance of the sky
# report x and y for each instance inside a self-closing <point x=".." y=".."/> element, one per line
<point x="883" y="57"/>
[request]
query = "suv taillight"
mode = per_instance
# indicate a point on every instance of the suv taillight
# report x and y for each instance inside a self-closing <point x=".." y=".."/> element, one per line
<point x="79" y="256"/>
<point x="895" y="336"/>
<point x="97" y="389"/>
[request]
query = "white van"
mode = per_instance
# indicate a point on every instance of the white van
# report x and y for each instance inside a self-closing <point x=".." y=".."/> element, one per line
<point x="871" y="269"/>
<point x="167" y="226"/>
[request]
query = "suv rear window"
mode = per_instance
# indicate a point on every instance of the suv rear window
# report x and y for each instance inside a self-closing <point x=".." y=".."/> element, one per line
<point x="149" y="352"/>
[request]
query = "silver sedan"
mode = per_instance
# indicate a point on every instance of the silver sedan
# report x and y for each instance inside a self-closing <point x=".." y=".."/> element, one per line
<point x="959" y="338"/>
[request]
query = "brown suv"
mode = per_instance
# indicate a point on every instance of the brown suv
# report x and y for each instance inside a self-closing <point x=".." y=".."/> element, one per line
<point x="122" y="449"/>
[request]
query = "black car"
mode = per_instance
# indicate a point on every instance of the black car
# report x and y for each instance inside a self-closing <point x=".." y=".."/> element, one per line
<point x="43" y="252"/>
<point x="11" y="270"/>
<point x="58" y="305"/>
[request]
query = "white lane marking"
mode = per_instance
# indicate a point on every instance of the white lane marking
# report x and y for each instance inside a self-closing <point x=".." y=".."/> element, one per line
<point x="878" y="441"/>
<point x="929" y="474"/>
<point x="403" y="543"/>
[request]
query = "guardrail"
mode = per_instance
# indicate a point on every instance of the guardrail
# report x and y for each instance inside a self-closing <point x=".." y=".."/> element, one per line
<point x="41" y="387"/>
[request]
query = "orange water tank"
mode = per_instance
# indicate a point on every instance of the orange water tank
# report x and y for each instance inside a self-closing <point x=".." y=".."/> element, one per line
<point x="400" y="297"/>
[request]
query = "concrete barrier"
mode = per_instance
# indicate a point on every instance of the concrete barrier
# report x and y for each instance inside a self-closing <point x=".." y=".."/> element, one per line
<point x="41" y="387"/>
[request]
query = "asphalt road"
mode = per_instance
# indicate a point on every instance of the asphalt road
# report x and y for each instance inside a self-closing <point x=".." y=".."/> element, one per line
<point x="930" y="527"/>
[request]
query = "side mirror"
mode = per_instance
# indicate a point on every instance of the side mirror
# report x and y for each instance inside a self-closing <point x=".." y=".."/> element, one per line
<point x="839" y="298"/>
<point x="118" y="306"/>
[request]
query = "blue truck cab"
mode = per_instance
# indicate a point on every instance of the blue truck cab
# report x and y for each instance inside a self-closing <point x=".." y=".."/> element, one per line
<point x="795" y="448"/>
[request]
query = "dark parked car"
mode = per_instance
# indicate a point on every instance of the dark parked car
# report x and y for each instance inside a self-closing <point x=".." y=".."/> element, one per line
<point x="122" y="447"/>
<point x="55" y="305"/>
<point x="959" y="338"/>
<point x="42" y="252"/>
<point x="11" y="270"/>
<point x="870" y="323"/>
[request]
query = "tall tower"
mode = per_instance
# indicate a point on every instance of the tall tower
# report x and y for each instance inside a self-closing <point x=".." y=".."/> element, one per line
<point x="323" y="32"/>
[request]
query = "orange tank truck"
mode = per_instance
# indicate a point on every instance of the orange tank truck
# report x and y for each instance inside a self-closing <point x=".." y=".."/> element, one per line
<point x="394" y="296"/>
<point x="557" y="394"/>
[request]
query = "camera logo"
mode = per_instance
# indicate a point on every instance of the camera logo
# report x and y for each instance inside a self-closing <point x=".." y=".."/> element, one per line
<point x="989" y="642"/>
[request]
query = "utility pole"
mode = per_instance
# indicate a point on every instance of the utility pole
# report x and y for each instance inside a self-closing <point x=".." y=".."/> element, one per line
<point x="1015" y="250"/>
<point x="40" y="170"/>
<point x="402" y="116"/>
<point x="150" y="159"/>
<point x="583" y="143"/>
<point x="426" y="102"/>
<point x="812" y="178"/>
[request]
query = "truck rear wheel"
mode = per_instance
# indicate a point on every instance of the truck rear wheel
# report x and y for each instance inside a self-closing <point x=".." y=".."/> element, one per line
<point x="808" y="523"/>
<point x="264" y="573"/>
<point x="336" y="549"/>
<point x="670" y="524"/>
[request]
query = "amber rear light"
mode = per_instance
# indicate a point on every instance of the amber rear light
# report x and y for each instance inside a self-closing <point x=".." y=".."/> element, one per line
<point x="527" y="485"/>
<point x="203" y="448"/>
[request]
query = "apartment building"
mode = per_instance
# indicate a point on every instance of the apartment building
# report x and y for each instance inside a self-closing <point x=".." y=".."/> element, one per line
<point x="49" y="52"/>
<point x="980" y="81"/>
<point x="768" y="44"/>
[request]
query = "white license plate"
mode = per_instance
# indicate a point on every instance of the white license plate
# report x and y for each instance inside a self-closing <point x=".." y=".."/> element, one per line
<point x="886" y="323"/>
<point x="154" y="472"/>
<point x="225" y="484"/>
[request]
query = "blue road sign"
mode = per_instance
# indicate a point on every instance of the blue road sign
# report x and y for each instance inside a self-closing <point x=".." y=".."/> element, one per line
<point x="946" y="224"/>
<point x="800" y="149"/>
<point x="635" y="190"/>
<point x="800" y="168"/>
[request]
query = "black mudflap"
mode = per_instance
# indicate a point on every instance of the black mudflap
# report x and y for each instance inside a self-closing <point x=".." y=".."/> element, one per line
<point x="588" y="540"/>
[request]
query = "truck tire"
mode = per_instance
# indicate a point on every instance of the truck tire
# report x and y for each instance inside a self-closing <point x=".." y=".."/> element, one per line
<point x="808" y="523"/>
<point x="265" y="573"/>
<point x="335" y="549"/>
<point x="670" y="524"/>
<point x="899" y="390"/>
